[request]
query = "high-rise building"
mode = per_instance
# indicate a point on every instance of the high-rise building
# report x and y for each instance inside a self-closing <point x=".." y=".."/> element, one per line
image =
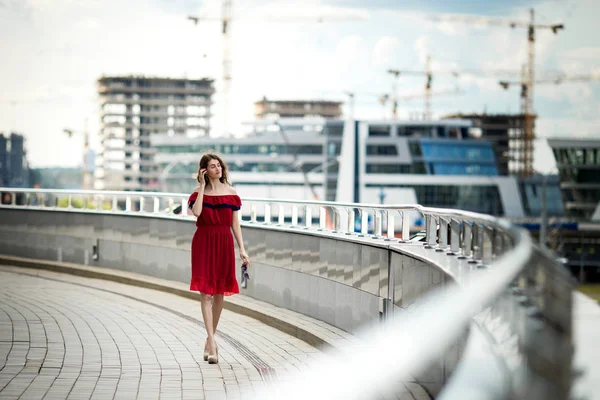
<point x="514" y="150"/>
<point x="14" y="171"/>
<point x="267" y="109"/>
<point x="135" y="107"/>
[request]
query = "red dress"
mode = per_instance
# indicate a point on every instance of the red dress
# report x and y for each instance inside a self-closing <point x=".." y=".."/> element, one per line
<point x="213" y="254"/>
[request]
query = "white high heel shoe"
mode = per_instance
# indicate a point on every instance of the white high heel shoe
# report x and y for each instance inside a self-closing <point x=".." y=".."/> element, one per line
<point x="214" y="358"/>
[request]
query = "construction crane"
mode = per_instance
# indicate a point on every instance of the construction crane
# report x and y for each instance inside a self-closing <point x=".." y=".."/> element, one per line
<point x="226" y="24"/>
<point x="526" y="157"/>
<point x="383" y="100"/>
<point x="529" y="80"/>
<point x="428" y="80"/>
<point x="562" y="78"/>
<point x="429" y="73"/>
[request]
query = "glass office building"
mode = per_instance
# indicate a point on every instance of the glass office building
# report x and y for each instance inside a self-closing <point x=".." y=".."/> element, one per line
<point x="578" y="163"/>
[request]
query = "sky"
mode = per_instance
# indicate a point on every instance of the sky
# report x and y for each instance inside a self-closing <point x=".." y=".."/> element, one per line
<point x="53" y="52"/>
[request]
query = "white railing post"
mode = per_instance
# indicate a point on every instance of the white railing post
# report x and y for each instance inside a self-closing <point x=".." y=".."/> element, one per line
<point x="156" y="208"/>
<point x="267" y="220"/>
<point x="454" y="236"/>
<point x="307" y="217"/>
<point x="364" y="221"/>
<point x="477" y="241"/>
<point x="377" y="228"/>
<point x="253" y="213"/>
<point x="322" y="218"/>
<point x="350" y="220"/>
<point x="430" y="230"/>
<point x="443" y="237"/>
<point x="294" y="215"/>
<point x="184" y="208"/>
<point x="281" y="218"/>
<point x="142" y="204"/>
<point x="467" y="240"/>
<point x="405" y="226"/>
<point x="335" y="219"/>
<point x="390" y="225"/>
<point x="343" y="222"/>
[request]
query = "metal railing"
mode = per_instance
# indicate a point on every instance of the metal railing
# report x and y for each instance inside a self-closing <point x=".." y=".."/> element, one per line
<point x="470" y="235"/>
<point x="524" y="286"/>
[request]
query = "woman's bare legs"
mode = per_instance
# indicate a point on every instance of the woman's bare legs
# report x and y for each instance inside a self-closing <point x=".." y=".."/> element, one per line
<point x="217" y="307"/>
<point x="207" y="316"/>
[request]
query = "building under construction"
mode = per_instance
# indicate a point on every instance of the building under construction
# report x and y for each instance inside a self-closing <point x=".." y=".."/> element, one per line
<point x="513" y="146"/>
<point x="273" y="109"/>
<point x="132" y="109"/>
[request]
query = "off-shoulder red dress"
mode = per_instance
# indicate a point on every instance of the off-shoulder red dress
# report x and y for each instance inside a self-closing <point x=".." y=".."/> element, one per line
<point x="213" y="254"/>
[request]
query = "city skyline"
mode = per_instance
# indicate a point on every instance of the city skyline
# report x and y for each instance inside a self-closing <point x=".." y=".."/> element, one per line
<point x="58" y="49"/>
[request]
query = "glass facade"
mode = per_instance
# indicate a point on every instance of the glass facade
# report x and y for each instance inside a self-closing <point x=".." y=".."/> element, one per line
<point x="532" y="192"/>
<point x="445" y="151"/>
<point x="192" y="168"/>
<point x="382" y="150"/>
<point x="375" y="130"/>
<point x="463" y="169"/>
<point x="575" y="156"/>
<point x="483" y="199"/>
<point x="242" y="149"/>
<point x="579" y="170"/>
<point x="455" y="157"/>
<point x="415" y="148"/>
<point x="389" y="169"/>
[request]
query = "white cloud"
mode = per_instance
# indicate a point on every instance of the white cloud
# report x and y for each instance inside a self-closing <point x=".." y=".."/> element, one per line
<point x="350" y="49"/>
<point x="582" y="53"/>
<point x="578" y="94"/>
<point x="422" y="48"/>
<point x="307" y="10"/>
<point x="451" y="29"/>
<point x="386" y="51"/>
<point x="57" y="49"/>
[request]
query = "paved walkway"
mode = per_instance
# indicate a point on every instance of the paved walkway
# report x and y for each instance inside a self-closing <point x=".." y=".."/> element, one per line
<point x="63" y="337"/>
<point x="69" y="337"/>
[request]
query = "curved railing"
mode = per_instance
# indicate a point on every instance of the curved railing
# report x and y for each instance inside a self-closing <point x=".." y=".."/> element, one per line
<point x="467" y="234"/>
<point x="522" y="286"/>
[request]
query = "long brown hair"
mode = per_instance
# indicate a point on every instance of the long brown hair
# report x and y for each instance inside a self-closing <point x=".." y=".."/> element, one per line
<point x="204" y="164"/>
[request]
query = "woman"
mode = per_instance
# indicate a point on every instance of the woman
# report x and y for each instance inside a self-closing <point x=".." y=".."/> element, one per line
<point x="216" y="204"/>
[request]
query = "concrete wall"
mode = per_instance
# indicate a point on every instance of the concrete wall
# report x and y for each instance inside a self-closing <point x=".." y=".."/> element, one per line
<point x="338" y="279"/>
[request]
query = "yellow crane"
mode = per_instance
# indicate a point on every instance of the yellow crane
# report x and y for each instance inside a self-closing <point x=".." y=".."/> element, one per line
<point x="429" y="73"/>
<point x="383" y="100"/>
<point x="529" y="72"/>
<point x="227" y="19"/>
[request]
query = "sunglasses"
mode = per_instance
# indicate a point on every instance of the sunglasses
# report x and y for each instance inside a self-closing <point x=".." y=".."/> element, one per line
<point x="245" y="274"/>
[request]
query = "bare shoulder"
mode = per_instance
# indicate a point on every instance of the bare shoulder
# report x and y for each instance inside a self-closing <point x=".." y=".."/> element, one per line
<point x="231" y="190"/>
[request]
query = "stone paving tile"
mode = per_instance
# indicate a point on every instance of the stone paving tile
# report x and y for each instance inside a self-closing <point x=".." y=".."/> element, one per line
<point x="63" y="336"/>
<point x="69" y="341"/>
